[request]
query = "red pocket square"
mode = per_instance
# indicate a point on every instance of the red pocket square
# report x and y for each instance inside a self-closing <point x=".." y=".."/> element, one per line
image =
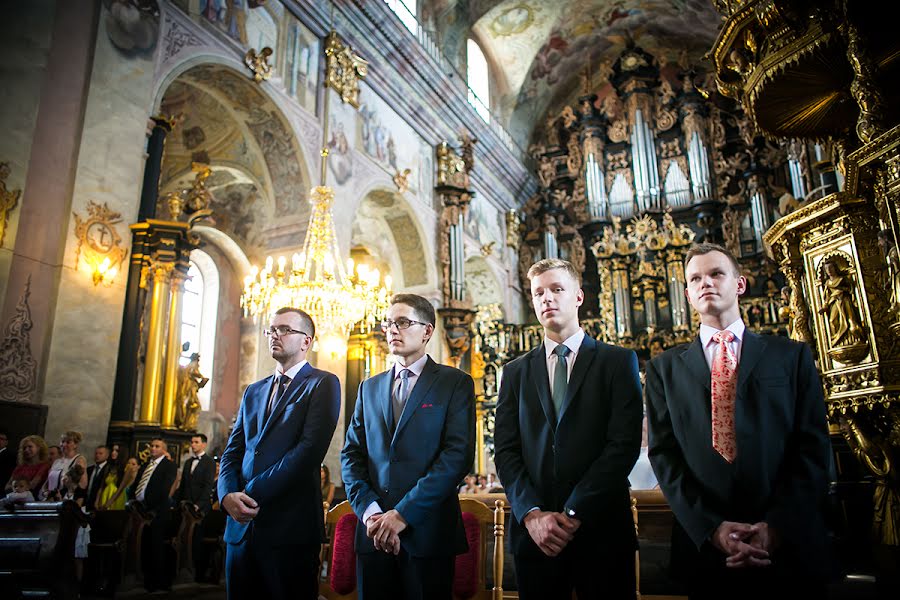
<point x="428" y="406"/>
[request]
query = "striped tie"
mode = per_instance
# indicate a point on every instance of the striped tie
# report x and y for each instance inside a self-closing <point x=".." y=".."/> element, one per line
<point x="145" y="478"/>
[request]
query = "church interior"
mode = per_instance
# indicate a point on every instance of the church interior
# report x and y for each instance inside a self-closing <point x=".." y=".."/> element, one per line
<point x="172" y="171"/>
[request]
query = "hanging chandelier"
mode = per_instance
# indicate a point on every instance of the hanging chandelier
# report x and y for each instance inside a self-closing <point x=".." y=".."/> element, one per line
<point x="338" y="299"/>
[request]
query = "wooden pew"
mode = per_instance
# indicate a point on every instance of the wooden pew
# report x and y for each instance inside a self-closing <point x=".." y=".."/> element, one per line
<point x="37" y="550"/>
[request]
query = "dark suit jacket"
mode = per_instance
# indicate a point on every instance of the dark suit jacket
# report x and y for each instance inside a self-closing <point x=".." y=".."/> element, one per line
<point x="96" y="485"/>
<point x="156" y="496"/>
<point x="580" y="462"/>
<point x="8" y="460"/>
<point x="197" y="487"/>
<point x="277" y="461"/>
<point x="779" y="474"/>
<point x="416" y="470"/>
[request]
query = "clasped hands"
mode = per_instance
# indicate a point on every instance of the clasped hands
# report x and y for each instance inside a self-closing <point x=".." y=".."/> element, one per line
<point x="551" y="531"/>
<point x="384" y="530"/>
<point x="240" y="506"/>
<point x="744" y="544"/>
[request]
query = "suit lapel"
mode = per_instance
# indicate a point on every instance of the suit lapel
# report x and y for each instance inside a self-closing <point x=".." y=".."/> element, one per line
<point x="541" y="380"/>
<point x="695" y="361"/>
<point x="263" y="402"/>
<point x="583" y="360"/>
<point x="752" y="349"/>
<point x="419" y="392"/>
<point x="384" y="385"/>
<point x="289" y="394"/>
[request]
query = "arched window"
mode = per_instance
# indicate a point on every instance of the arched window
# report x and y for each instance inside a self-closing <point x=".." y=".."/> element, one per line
<point x="478" y="80"/>
<point x="198" y="317"/>
<point x="406" y="11"/>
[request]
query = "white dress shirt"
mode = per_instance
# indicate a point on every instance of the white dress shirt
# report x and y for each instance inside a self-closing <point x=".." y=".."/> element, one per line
<point x="415" y="370"/>
<point x="194" y="463"/>
<point x="711" y="347"/>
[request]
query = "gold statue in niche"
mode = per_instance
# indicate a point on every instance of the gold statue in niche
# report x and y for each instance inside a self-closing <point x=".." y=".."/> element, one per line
<point x="8" y="199"/>
<point x="892" y="258"/>
<point x="190" y="380"/>
<point x="846" y="334"/>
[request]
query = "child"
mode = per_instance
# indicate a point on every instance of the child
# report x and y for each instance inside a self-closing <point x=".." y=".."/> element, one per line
<point x="20" y="493"/>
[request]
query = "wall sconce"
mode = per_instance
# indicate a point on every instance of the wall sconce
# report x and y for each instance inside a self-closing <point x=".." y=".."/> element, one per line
<point x="99" y="244"/>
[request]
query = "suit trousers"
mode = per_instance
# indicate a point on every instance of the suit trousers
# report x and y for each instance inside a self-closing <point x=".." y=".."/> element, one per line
<point x="158" y="572"/>
<point x="383" y="576"/>
<point x="589" y="571"/>
<point x="255" y="569"/>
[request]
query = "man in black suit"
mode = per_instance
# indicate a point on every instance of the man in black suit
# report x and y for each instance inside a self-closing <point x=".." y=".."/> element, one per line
<point x="567" y="433"/>
<point x="151" y="488"/>
<point x="411" y="440"/>
<point x="269" y="481"/>
<point x="739" y="444"/>
<point x="96" y="474"/>
<point x="198" y="476"/>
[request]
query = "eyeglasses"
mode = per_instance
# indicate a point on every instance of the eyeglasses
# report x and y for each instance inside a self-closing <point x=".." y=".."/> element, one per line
<point x="282" y="330"/>
<point x="401" y="323"/>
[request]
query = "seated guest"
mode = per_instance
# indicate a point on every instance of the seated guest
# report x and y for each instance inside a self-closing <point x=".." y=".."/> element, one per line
<point x="470" y="485"/>
<point x="7" y="456"/>
<point x="53" y="453"/>
<point x="33" y="463"/>
<point x="20" y="493"/>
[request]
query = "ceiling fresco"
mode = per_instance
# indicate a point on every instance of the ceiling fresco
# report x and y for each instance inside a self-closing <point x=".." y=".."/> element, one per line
<point x="543" y="48"/>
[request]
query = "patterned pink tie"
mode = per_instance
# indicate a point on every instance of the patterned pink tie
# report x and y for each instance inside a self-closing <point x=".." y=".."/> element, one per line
<point x="724" y="387"/>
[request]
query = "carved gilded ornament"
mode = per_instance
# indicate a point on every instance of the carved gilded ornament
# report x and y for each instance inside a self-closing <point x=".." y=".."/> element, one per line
<point x="513" y="227"/>
<point x="401" y="180"/>
<point x="344" y="69"/>
<point x="8" y="199"/>
<point x="258" y="63"/>
<point x="451" y="168"/>
<point x="18" y="369"/>
<point x="845" y="331"/>
<point x="99" y="242"/>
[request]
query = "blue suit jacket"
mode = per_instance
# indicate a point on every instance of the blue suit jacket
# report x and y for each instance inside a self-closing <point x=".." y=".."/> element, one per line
<point x="277" y="461"/>
<point x="579" y="462"/>
<point x="417" y="470"/>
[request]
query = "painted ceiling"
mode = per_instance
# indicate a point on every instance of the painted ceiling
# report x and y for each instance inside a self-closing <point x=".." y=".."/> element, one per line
<point x="543" y="48"/>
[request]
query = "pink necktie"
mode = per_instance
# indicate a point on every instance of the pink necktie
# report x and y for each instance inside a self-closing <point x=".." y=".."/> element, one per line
<point x="724" y="387"/>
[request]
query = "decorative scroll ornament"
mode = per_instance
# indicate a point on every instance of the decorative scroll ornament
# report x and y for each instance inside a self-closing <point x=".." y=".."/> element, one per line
<point x="513" y="229"/>
<point x="343" y="69"/>
<point x="258" y="63"/>
<point x="642" y="233"/>
<point x="17" y="365"/>
<point x="452" y="167"/>
<point x="99" y="243"/>
<point x="8" y="199"/>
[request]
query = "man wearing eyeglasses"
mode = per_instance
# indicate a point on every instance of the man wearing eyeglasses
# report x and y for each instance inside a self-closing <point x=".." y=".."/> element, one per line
<point x="409" y="444"/>
<point x="269" y="477"/>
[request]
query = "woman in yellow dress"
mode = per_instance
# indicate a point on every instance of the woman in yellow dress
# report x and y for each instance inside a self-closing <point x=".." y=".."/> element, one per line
<point x="112" y="495"/>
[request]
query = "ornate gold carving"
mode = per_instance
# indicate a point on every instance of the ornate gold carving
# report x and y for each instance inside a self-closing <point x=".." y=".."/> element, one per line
<point x="99" y="242"/>
<point x="574" y="159"/>
<point x="847" y="336"/>
<point x="258" y="63"/>
<point x="18" y="369"/>
<point x="8" y="199"/>
<point x="451" y="167"/>
<point x="343" y="69"/>
<point x="190" y="380"/>
<point x="864" y="90"/>
<point x="513" y="226"/>
<point x="401" y="180"/>
<point x="457" y="331"/>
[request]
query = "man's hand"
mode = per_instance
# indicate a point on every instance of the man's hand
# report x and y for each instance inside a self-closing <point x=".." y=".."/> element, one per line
<point x="735" y="540"/>
<point x="550" y="531"/>
<point x="763" y="538"/>
<point x="240" y="506"/>
<point x="385" y="530"/>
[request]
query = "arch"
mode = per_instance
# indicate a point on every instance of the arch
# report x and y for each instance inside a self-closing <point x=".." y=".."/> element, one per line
<point x="387" y="226"/>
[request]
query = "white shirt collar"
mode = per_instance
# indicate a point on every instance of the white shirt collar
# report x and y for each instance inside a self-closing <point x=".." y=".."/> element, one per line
<point x="158" y="460"/>
<point x="292" y="372"/>
<point x="573" y="343"/>
<point x="416" y="368"/>
<point x="200" y="455"/>
<point x="707" y="332"/>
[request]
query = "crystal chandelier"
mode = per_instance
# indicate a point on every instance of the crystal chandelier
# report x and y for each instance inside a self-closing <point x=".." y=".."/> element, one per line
<point x="338" y="299"/>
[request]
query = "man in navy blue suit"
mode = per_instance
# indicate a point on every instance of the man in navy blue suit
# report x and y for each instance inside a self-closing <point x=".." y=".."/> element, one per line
<point x="269" y="479"/>
<point x="567" y="434"/>
<point x="409" y="444"/>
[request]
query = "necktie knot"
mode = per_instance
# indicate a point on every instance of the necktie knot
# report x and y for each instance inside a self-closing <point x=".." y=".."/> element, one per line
<point x="562" y="351"/>
<point x="404" y="374"/>
<point x="723" y="336"/>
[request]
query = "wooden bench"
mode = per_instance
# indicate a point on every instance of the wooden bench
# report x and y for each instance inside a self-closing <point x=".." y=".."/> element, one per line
<point x="37" y="550"/>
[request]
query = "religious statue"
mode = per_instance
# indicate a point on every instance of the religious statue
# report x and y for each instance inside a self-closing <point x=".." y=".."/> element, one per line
<point x="546" y="172"/>
<point x="785" y="313"/>
<point x="451" y="168"/>
<point x="839" y="307"/>
<point x="891" y="255"/>
<point x="190" y="380"/>
<point x="872" y="449"/>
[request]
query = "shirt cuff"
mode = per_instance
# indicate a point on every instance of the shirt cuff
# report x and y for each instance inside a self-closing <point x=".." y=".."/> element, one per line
<point x="373" y="509"/>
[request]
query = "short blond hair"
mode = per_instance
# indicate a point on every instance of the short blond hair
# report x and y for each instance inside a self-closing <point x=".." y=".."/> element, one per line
<point x="549" y="264"/>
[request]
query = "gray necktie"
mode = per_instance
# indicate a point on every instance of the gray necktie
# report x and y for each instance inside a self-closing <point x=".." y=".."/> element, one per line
<point x="283" y="382"/>
<point x="560" y="378"/>
<point x="399" y="399"/>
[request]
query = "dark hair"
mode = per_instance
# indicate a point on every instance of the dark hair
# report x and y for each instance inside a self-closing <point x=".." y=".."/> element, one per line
<point x="102" y="446"/>
<point x="307" y="320"/>
<point x="160" y="438"/>
<point x="421" y="306"/>
<point x="706" y="248"/>
<point x="327" y="473"/>
<point x="202" y="436"/>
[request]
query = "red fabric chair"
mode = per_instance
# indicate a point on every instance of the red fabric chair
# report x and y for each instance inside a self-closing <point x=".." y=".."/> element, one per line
<point x="340" y="527"/>
<point x="465" y="576"/>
